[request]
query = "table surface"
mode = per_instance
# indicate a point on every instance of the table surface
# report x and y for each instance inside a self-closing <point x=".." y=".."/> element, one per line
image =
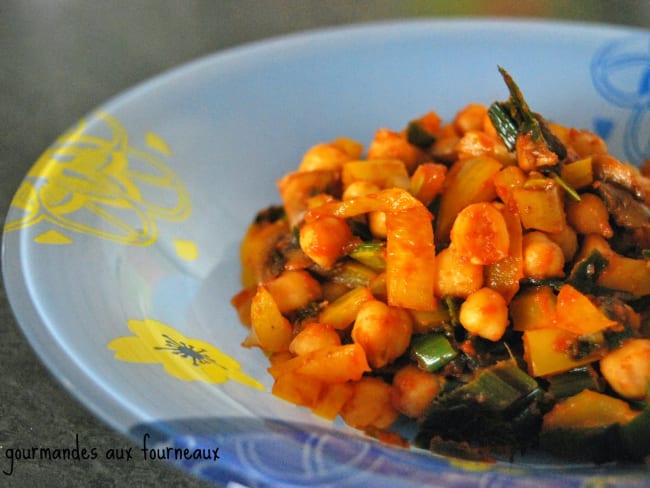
<point x="61" y="58"/>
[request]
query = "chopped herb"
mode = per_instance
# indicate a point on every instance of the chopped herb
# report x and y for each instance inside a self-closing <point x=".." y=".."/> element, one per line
<point x="586" y="272"/>
<point x="570" y="191"/>
<point x="417" y="135"/>
<point x="432" y="351"/>
<point x="515" y="114"/>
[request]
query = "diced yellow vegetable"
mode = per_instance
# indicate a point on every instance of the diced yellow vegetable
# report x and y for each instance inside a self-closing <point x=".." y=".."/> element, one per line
<point x="505" y="181"/>
<point x="336" y="364"/>
<point x="341" y="313"/>
<point x="588" y="409"/>
<point x="410" y="252"/>
<point x="333" y="364"/>
<point x="297" y="389"/>
<point x="350" y="146"/>
<point x="622" y="273"/>
<point x="385" y="173"/>
<point x="540" y="205"/>
<point x="255" y="249"/>
<point x="626" y="274"/>
<point x="545" y="351"/>
<point x="577" y="314"/>
<point x="427" y="181"/>
<point x="332" y="398"/>
<point x="270" y="329"/>
<point x="389" y="200"/>
<point x="533" y="309"/>
<point x="242" y="303"/>
<point x="578" y="174"/>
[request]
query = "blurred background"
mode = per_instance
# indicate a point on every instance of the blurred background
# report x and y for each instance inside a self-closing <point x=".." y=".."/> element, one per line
<point x="59" y="59"/>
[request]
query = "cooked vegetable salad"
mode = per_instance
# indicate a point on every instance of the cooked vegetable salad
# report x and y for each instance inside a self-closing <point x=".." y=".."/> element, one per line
<point x="488" y="278"/>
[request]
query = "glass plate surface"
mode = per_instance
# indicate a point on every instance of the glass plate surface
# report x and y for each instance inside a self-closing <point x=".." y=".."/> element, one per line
<point x="120" y="249"/>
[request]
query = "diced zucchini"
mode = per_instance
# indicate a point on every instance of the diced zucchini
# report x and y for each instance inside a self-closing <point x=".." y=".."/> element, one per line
<point x="572" y="382"/>
<point x="498" y="408"/>
<point x="636" y="435"/>
<point x="592" y="426"/>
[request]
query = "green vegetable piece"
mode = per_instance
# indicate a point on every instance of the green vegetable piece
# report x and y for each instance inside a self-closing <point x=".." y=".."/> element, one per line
<point x="588" y="444"/>
<point x="586" y="272"/>
<point x="504" y="125"/>
<point x="351" y="273"/>
<point x="501" y="386"/>
<point x="432" y="351"/>
<point x="516" y="109"/>
<point x="418" y="135"/>
<point x="500" y="407"/>
<point x="635" y="435"/>
<point x="574" y="381"/>
<point x="567" y="188"/>
<point x="372" y="254"/>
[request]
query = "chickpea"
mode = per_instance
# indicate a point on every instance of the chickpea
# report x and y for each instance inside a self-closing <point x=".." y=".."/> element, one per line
<point x="543" y="258"/>
<point x="377" y="223"/>
<point x="392" y="145"/>
<point x="589" y="216"/>
<point x="485" y="313"/>
<point x="313" y="337"/>
<point x="455" y="275"/>
<point x="294" y="289"/>
<point x="370" y="405"/>
<point x="585" y="143"/>
<point x="567" y="239"/>
<point x="360" y="189"/>
<point x="324" y="240"/>
<point x="627" y="369"/>
<point x="480" y="234"/>
<point x="325" y="156"/>
<point x="382" y="331"/>
<point x="471" y="117"/>
<point x="413" y="390"/>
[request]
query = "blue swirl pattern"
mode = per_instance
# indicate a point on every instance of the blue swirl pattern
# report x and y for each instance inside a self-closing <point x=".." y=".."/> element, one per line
<point x="257" y="453"/>
<point x="620" y="73"/>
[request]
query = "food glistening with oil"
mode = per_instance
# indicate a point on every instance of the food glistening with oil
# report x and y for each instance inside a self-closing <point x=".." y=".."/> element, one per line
<point x="486" y="279"/>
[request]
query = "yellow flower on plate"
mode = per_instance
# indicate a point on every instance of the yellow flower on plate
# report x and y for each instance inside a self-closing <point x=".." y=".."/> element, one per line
<point x="185" y="358"/>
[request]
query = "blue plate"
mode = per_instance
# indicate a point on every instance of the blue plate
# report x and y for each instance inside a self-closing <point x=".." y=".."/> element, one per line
<point x="120" y="249"/>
